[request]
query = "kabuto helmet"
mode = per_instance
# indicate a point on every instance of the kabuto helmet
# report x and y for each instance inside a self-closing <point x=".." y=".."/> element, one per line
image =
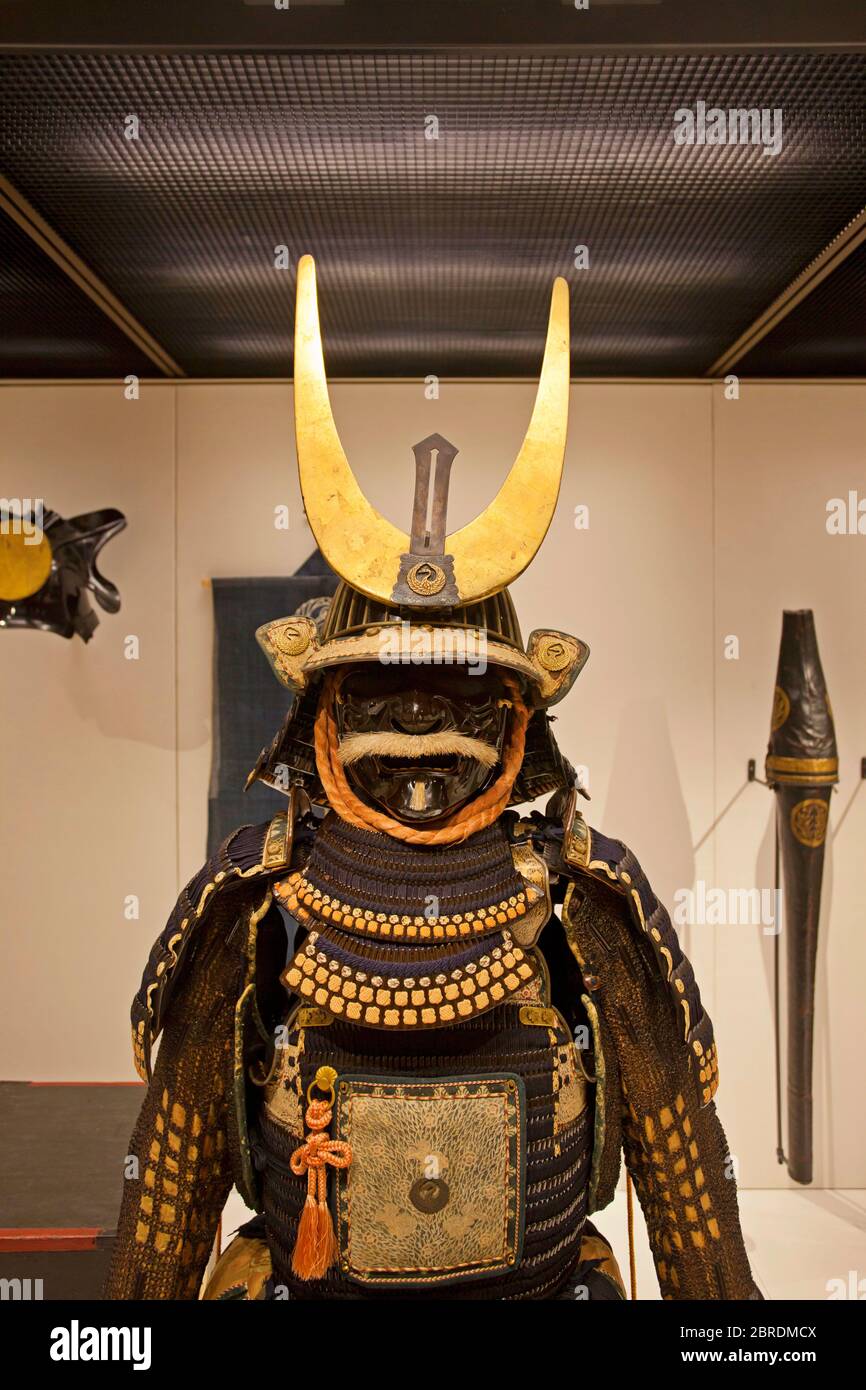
<point x="425" y="595"/>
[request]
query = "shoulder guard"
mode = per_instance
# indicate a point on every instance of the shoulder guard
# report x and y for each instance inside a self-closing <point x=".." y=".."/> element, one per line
<point x="579" y="849"/>
<point x="253" y="852"/>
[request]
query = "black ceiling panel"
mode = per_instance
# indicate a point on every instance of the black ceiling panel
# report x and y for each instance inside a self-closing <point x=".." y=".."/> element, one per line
<point x="824" y="336"/>
<point x="435" y="256"/>
<point x="249" y="24"/>
<point x="48" y="326"/>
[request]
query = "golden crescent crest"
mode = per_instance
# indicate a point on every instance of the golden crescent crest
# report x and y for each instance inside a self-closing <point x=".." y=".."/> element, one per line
<point x="364" y="547"/>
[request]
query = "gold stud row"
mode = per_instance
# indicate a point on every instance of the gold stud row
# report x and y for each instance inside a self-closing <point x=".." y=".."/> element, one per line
<point x="408" y="1003"/>
<point x="302" y="899"/>
<point x="709" y="1072"/>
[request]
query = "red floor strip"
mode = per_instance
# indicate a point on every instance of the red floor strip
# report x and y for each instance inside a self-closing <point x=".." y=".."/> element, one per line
<point x="18" y="1239"/>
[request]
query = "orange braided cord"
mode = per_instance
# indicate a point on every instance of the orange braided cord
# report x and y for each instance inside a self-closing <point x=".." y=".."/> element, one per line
<point x="318" y="1151"/>
<point x="469" y="819"/>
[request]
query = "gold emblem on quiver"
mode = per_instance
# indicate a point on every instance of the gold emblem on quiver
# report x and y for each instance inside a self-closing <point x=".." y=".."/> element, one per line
<point x="809" y="822"/>
<point x="781" y="709"/>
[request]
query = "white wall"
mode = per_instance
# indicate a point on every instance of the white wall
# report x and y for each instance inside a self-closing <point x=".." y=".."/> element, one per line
<point x="87" y="740"/>
<point x="706" y="519"/>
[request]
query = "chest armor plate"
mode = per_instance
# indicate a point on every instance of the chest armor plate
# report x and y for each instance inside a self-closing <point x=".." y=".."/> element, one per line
<point x="471" y="1149"/>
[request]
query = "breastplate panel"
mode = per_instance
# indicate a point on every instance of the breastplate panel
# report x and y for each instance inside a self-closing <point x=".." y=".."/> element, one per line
<point x="532" y="1180"/>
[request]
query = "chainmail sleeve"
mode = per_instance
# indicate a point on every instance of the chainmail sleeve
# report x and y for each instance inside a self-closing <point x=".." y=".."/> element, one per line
<point x="172" y="1205"/>
<point x="677" y="1154"/>
<point x="674" y="1145"/>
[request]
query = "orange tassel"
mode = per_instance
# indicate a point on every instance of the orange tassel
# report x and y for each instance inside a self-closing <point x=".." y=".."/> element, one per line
<point x="316" y="1244"/>
<point x="308" y="1260"/>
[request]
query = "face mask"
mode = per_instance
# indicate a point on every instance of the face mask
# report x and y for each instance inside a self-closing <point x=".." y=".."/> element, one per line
<point x="420" y="744"/>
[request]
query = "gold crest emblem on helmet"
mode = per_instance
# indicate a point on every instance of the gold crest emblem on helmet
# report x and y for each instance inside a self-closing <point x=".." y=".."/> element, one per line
<point x="554" y="654"/>
<point x="426" y="578"/>
<point x="292" y="639"/>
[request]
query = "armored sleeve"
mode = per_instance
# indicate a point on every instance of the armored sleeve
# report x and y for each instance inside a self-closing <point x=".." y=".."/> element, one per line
<point x="673" y="1142"/>
<point x="179" y="1166"/>
<point x="181" y="1173"/>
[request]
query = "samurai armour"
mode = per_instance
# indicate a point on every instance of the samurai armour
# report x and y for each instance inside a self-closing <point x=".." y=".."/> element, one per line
<point x="471" y="1145"/>
<point x="432" y="1094"/>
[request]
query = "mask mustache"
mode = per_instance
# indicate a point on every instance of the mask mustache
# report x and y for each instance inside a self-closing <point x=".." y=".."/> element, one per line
<point x="410" y="746"/>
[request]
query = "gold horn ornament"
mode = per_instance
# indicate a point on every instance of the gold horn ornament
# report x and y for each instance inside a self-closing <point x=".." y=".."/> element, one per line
<point x="358" y="542"/>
